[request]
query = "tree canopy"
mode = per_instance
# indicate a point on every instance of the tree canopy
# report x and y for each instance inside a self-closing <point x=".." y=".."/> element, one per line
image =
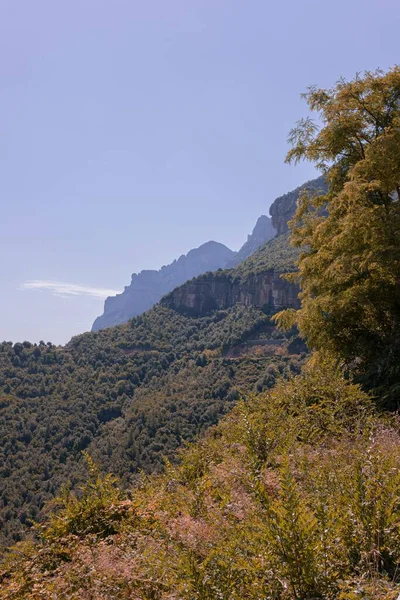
<point x="349" y="267"/>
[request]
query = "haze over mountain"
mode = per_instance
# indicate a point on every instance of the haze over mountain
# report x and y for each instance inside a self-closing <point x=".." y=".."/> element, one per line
<point x="149" y="286"/>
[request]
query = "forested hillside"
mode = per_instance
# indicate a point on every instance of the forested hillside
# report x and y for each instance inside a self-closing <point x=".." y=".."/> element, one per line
<point x="129" y="395"/>
<point x="294" y="495"/>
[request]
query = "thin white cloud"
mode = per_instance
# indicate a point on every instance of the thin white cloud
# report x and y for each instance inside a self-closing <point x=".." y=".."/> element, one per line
<point x="66" y="290"/>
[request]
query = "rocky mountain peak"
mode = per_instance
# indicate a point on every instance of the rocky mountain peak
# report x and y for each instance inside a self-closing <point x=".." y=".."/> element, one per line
<point x="149" y="286"/>
<point x="262" y="232"/>
<point x="284" y="207"/>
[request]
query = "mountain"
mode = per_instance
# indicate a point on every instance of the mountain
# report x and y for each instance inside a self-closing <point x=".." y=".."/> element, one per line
<point x="284" y="207"/>
<point x="129" y="394"/>
<point x="255" y="282"/>
<point x="262" y="232"/>
<point x="148" y="287"/>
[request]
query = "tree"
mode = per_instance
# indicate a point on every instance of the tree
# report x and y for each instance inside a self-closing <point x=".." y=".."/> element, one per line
<point x="349" y="267"/>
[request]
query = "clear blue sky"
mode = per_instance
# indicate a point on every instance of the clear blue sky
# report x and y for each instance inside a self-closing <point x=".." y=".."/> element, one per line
<point x="132" y="131"/>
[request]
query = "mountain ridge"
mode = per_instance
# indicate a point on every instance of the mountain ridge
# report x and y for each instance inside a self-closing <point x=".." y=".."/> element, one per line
<point x="149" y="286"/>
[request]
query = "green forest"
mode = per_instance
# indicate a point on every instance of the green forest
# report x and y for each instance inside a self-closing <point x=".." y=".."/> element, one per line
<point x="129" y="395"/>
<point x="172" y="458"/>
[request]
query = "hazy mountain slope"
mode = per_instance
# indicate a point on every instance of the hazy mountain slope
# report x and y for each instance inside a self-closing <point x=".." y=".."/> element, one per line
<point x="283" y="208"/>
<point x="147" y="287"/>
<point x="262" y="232"/>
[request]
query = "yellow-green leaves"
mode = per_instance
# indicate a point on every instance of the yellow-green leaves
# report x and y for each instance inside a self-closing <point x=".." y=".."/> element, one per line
<point x="349" y="267"/>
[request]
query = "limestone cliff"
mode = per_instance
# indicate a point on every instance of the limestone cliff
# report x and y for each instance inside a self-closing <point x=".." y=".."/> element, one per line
<point x="284" y="207"/>
<point x="221" y="290"/>
<point x="148" y="287"/>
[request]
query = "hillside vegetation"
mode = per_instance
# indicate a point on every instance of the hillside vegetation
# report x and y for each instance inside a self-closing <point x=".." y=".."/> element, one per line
<point x="294" y="495"/>
<point x="349" y="267"/>
<point x="277" y="254"/>
<point x="129" y="395"/>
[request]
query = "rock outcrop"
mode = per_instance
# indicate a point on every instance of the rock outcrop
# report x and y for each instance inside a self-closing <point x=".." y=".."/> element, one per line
<point x="148" y="287"/>
<point x="284" y="207"/>
<point x="262" y="232"/>
<point x="221" y="290"/>
<point x="256" y="281"/>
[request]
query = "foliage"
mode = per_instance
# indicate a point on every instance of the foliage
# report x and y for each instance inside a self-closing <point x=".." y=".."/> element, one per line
<point x="93" y="511"/>
<point x="128" y="395"/>
<point x="276" y="254"/>
<point x="349" y="268"/>
<point x="293" y="496"/>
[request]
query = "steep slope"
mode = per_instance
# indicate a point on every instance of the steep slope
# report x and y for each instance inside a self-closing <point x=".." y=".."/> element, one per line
<point x="284" y="207"/>
<point x="262" y="232"/>
<point x="255" y="282"/>
<point x="277" y="255"/>
<point x="147" y="287"/>
<point x="294" y="495"/>
<point x="128" y="394"/>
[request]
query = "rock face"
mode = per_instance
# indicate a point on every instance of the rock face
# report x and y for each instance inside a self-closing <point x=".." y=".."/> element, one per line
<point x="222" y="290"/>
<point x="148" y="287"/>
<point x="264" y="288"/>
<point x="262" y="232"/>
<point x="284" y="207"/>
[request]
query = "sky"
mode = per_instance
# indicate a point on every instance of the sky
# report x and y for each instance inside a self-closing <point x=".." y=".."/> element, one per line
<point x="132" y="131"/>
